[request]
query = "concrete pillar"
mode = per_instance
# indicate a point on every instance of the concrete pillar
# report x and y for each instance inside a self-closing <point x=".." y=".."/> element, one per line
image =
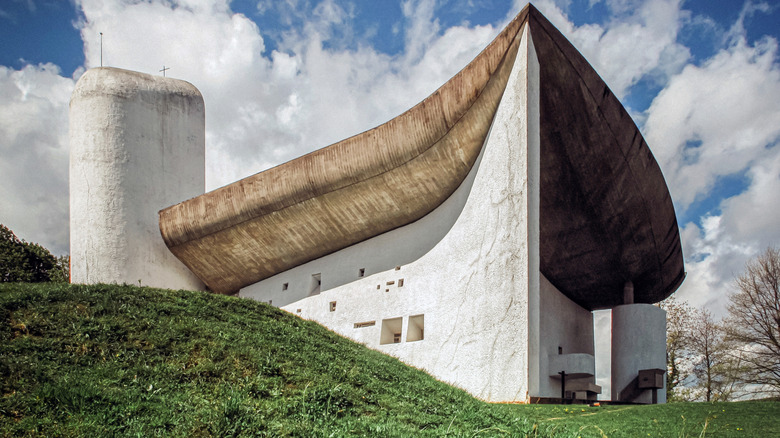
<point x="137" y="145"/>
<point x="628" y="293"/>
<point x="638" y="343"/>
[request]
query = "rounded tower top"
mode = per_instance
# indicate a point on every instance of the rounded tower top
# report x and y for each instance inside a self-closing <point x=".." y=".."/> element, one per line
<point x="111" y="81"/>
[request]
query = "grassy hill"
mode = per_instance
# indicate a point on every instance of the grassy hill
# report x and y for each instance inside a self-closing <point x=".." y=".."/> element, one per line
<point x="127" y="361"/>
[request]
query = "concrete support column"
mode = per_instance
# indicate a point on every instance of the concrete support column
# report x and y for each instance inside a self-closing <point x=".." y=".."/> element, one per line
<point x="137" y="145"/>
<point x="628" y="293"/>
<point x="638" y="343"/>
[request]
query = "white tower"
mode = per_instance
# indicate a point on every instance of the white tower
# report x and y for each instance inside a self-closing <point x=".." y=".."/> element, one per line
<point x="137" y="145"/>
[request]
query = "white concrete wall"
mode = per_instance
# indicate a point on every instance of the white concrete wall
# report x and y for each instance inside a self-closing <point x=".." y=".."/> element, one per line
<point x="137" y="145"/>
<point x="563" y="323"/>
<point x="638" y="343"/>
<point x="470" y="267"/>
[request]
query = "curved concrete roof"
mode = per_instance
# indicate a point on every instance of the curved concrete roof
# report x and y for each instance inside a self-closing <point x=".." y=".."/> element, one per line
<point x="606" y="215"/>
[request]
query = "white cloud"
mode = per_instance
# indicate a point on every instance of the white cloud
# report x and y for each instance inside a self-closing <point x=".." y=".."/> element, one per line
<point x="638" y="41"/>
<point x="33" y="147"/>
<point x="727" y="107"/>
<point x="714" y="120"/>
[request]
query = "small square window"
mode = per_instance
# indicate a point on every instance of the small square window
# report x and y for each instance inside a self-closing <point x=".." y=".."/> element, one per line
<point x="285" y="286"/>
<point x="391" y="331"/>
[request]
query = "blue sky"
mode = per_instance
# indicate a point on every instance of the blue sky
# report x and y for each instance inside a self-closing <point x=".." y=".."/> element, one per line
<point x="282" y="78"/>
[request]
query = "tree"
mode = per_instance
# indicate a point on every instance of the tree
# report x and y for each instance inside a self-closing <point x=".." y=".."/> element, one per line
<point x="28" y="262"/>
<point x="679" y="363"/>
<point x="700" y="362"/>
<point x="716" y="367"/>
<point x="753" y="320"/>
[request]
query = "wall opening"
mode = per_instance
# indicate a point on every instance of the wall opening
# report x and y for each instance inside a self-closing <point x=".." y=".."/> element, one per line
<point x="365" y="324"/>
<point x="332" y="306"/>
<point x="391" y="331"/>
<point x="285" y="286"/>
<point x="315" y="285"/>
<point x="415" y="330"/>
<point x="362" y="272"/>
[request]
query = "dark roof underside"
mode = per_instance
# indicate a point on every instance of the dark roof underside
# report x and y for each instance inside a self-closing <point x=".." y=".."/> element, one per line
<point x="606" y="215"/>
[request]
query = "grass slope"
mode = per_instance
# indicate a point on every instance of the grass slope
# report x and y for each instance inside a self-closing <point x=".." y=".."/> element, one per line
<point x="126" y="361"/>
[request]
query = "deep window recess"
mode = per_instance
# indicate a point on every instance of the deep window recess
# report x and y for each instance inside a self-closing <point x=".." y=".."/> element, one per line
<point x="365" y="324"/>
<point x="285" y="286"/>
<point x="362" y="272"/>
<point x="332" y="306"/>
<point x="415" y="330"/>
<point x="316" y="283"/>
<point x="391" y="331"/>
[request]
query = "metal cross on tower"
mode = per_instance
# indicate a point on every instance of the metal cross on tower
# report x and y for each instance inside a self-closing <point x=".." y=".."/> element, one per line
<point x="164" y="69"/>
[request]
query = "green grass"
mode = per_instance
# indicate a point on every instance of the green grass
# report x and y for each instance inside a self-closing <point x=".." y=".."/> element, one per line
<point x="127" y="361"/>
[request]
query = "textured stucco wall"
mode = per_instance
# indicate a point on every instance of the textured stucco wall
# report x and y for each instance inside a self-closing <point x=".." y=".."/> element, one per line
<point x="638" y="343"/>
<point x="136" y="146"/>
<point x="467" y="267"/>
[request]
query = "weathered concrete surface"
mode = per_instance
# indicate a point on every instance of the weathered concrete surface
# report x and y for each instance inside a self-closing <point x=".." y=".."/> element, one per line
<point x="136" y="146"/>
<point x="607" y="216"/>
<point x="473" y="284"/>
<point x="638" y="343"/>
<point x="347" y="192"/>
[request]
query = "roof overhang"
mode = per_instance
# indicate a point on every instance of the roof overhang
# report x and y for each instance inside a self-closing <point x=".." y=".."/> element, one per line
<point x="606" y="215"/>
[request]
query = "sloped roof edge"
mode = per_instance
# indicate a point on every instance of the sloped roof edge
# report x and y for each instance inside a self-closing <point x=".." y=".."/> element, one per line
<point x="347" y="192"/>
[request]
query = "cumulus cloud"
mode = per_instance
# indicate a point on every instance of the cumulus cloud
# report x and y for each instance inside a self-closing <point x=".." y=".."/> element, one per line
<point x="716" y="119"/>
<point x="638" y="40"/>
<point x="710" y="122"/>
<point x="266" y="108"/>
<point x="33" y="147"/>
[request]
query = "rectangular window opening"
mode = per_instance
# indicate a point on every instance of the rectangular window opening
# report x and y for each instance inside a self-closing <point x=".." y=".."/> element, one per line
<point x="332" y="306"/>
<point x="315" y="284"/>
<point x="285" y="286"/>
<point x="415" y="330"/>
<point x="365" y="324"/>
<point x="362" y="272"/>
<point x="391" y="331"/>
<point x="400" y="282"/>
